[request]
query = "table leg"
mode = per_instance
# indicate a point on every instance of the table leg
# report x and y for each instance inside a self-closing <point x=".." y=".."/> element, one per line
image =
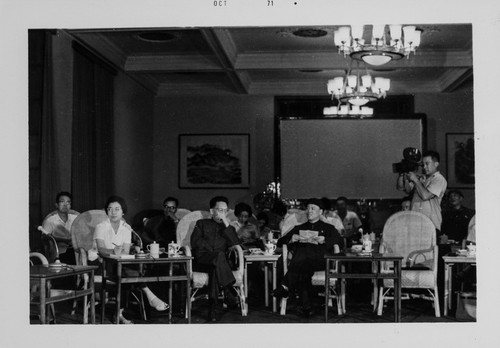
<point x="188" y="290"/>
<point x="85" y="308"/>
<point x="43" y="294"/>
<point x="170" y="273"/>
<point x="327" y="288"/>
<point x="375" y="288"/>
<point x="92" y="298"/>
<point x="447" y="287"/>
<point x="118" y="292"/>
<point x="103" y="290"/>
<point x="274" y="286"/>
<point x="397" y="291"/>
<point x="245" y="278"/>
<point x="266" y="284"/>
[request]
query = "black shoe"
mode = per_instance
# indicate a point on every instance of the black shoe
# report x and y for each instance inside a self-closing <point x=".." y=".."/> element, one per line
<point x="306" y="312"/>
<point x="231" y="300"/>
<point x="280" y="292"/>
<point x="212" y="315"/>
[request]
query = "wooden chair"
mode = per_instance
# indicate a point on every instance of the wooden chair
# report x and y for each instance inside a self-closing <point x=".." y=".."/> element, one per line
<point x="82" y="237"/>
<point x="318" y="279"/>
<point x="200" y="279"/>
<point x="411" y="235"/>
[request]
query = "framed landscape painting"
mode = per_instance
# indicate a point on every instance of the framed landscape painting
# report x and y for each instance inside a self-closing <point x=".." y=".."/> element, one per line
<point x="214" y="161"/>
<point x="460" y="163"/>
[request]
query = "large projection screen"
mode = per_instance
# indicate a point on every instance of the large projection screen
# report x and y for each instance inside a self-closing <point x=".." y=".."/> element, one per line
<point x="344" y="157"/>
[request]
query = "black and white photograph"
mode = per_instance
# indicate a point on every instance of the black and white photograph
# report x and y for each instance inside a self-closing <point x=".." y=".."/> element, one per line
<point x="195" y="173"/>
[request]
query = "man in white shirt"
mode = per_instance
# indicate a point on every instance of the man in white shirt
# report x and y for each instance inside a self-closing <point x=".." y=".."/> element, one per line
<point x="59" y="225"/>
<point x="428" y="190"/>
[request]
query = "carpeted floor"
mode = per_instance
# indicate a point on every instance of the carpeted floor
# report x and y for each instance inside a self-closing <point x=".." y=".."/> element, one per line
<point x="358" y="310"/>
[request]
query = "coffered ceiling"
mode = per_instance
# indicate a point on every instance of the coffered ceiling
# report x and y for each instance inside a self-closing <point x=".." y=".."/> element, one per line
<point x="272" y="60"/>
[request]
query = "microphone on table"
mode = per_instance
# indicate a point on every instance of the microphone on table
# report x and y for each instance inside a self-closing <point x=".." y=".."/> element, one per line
<point x="139" y="237"/>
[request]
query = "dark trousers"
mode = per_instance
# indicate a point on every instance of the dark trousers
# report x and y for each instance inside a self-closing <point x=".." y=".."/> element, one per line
<point x="219" y="272"/>
<point x="304" y="263"/>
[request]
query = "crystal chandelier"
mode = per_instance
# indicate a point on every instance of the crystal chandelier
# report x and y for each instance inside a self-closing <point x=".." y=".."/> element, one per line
<point x="381" y="49"/>
<point x="358" y="90"/>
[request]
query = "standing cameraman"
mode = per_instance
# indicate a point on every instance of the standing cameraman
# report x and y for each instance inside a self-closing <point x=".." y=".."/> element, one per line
<point x="428" y="190"/>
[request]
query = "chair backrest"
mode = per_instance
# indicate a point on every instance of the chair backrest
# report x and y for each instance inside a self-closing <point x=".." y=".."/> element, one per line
<point x="293" y="218"/>
<point x="411" y="235"/>
<point x="71" y="211"/>
<point x="186" y="225"/>
<point x="181" y="212"/>
<point x="82" y="230"/>
<point x="138" y="219"/>
<point x="41" y="258"/>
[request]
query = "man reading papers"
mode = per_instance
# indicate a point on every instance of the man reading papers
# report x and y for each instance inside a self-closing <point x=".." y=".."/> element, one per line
<point x="309" y="243"/>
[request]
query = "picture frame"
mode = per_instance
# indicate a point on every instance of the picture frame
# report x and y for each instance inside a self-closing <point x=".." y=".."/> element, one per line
<point x="214" y="161"/>
<point x="460" y="162"/>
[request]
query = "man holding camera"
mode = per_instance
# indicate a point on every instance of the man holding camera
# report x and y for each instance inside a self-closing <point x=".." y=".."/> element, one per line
<point x="428" y="190"/>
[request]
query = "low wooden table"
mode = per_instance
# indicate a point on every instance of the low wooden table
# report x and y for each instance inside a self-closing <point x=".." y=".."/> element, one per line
<point x="374" y="259"/>
<point x="449" y="261"/>
<point x="268" y="259"/>
<point x="44" y="274"/>
<point x="166" y="261"/>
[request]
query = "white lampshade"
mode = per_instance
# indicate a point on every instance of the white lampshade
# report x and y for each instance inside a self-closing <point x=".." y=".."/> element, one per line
<point x="376" y="59"/>
<point x="355" y="110"/>
<point x="366" y="81"/>
<point x="357" y="31"/>
<point x="352" y="81"/>
<point x="336" y="38"/>
<point x="344" y="110"/>
<point x="363" y="89"/>
<point x="344" y="35"/>
<point x="377" y="86"/>
<point x="365" y="110"/>
<point x="348" y="90"/>
<point x="395" y="30"/>
<point x="416" y="38"/>
<point x="332" y="110"/>
<point x="385" y="84"/>
<point x="378" y="31"/>
<point x="409" y="35"/>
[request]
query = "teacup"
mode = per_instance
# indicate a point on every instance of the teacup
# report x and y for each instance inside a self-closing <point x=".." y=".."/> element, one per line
<point x="154" y="249"/>
<point x="357" y="248"/>
<point x="471" y="248"/>
<point x="270" y="248"/>
<point x="173" y="249"/>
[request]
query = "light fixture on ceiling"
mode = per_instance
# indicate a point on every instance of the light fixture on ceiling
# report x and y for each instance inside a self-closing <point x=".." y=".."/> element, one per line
<point x="382" y="48"/>
<point x="358" y="90"/>
<point x="346" y="111"/>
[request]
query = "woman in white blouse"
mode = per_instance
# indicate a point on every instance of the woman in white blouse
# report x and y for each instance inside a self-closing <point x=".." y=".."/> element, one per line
<point x="114" y="236"/>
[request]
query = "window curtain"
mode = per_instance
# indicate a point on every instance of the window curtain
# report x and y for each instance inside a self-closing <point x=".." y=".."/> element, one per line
<point x="92" y="144"/>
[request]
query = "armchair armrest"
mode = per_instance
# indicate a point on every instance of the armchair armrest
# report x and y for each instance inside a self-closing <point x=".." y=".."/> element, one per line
<point x="187" y="252"/>
<point x="241" y="260"/>
<point x="284" y="256"/>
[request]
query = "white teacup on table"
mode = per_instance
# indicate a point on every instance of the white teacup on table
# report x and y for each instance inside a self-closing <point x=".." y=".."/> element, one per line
<point x="173" y="249"/>
<point x="154" y="250"/>
<point x="471" y="249"/>
<point x="270" y="248"/>
<point x="357" y="248"/>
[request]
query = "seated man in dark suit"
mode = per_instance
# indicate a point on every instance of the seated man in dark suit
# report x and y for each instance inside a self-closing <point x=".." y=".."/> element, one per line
<point x="309" y="241"/>
<point x="162" y="228"/>
<point x="210" y="241"/>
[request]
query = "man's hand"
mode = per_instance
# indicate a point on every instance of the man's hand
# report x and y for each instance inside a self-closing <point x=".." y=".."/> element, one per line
<point x="320" y="239"/>
<point x="295" y="238"/>
<point x="223" y="218"/>
<point x="412" y="176"/>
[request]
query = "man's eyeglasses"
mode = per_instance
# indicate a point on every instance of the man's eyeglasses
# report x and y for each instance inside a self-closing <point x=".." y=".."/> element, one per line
<point x="170" y="207"/>
<point x="64" y="202"/>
